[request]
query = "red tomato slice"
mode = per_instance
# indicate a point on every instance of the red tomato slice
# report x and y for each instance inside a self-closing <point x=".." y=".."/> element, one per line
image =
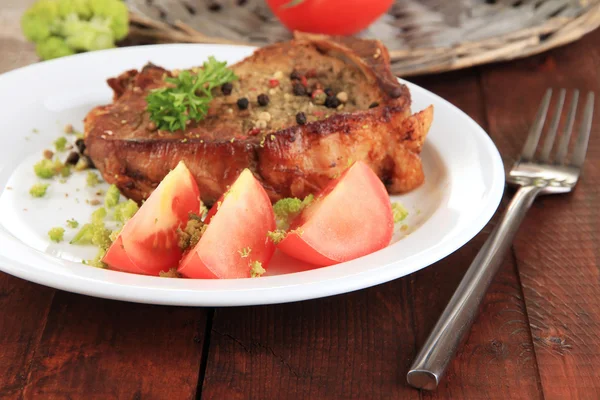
<point x="331" y="17"/>
<point x="148" y="241"/>
<point x="350" y="218"/>
<point x="236" y="235"/>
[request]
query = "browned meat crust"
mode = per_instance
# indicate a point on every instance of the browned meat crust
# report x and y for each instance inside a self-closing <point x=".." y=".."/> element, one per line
<point x="289" y="159"/>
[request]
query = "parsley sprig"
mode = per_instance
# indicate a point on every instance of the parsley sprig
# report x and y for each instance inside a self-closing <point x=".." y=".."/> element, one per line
<point x="188" y="96"/>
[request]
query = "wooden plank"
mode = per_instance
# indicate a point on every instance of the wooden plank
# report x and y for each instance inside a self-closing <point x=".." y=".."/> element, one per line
<point x="101" y="349"/>
<point x="24" y="307"/>
<point x="360" y="345"/>
<point x="498" y="354"/>
<point x="557" y="246"/>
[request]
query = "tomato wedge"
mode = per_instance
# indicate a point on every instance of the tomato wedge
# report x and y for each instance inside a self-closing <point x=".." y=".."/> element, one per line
<point x="148" y="242"/>
<point x="236" y="236"/>
<point x="351" y="217"/>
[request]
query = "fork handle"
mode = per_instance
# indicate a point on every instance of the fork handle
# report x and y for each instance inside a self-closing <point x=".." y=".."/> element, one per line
<point x="456" y="320"/>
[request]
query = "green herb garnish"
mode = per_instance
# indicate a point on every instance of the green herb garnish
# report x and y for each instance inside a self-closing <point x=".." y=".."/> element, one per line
<point x="188" y="96"/>
<point x="399" y="212"/>
<point x="256" y="269"/>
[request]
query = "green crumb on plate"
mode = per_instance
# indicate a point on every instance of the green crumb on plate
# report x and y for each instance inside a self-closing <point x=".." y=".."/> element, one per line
<point x="124" y="211"/>
<point x="60" y="144"/>
<point x="92" y="179"/>
<point x="56" y="234"/>
<point x="399" y="212"/>
<point x="256" y="269"/>
<point x="71" y="223"/>
<point x="39" y="189"/>
<point x="112" y="196"/>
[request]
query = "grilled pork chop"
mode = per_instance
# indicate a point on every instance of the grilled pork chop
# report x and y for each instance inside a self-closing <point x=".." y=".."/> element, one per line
<point x="370" y="120"/>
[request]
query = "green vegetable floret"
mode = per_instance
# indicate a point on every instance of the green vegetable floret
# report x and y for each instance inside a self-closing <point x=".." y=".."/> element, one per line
<point x="399" y="212"/>
<point x="39" y="189"/>
<point x="124" y="211"/>
<point x="60" y="144"/>
<point x="56" y="234"/>
<point x="63" y="27"/>
<point x="92" y="179"/>
<point x="286" y="209"/>
<point x="112" y="197"/>
<point x="47" y="169"/>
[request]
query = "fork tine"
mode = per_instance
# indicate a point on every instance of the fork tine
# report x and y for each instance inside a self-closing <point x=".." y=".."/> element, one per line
<point x="533" y="136"/>
<point x="563" y="146"/>
<point x="584" y="132"/>
<point x="549" y="142"/>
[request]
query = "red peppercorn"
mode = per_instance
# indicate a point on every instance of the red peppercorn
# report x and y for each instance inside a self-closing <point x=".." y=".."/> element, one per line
<point x="273" y="83"/>
<point x="304" y="81"/>
<point x="254" y="131"/>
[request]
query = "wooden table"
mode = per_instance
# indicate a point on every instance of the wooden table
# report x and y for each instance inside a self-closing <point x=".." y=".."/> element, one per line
<point x="538" y="335"/>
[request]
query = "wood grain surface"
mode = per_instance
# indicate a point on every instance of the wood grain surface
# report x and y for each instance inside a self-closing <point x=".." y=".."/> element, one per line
<point x="538" y="335"/>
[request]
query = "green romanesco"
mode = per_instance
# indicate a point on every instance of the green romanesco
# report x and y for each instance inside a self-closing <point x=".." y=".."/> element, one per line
<point x="112" y="197"/>
<point x="399" y="212"/>
<point x="56" y="234"/>
<point x="63" y="27"/>
<point x="47" y="169"/>
<point x="39" y="189"/>
<point x="61" y="143"/>
<point x="124" y="211"/>
<point x="92" y="179"/>
<point x="286" y="209"/>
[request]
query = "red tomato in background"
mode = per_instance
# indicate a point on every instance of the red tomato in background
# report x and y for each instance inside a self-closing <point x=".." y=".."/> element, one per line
<point x="350" y="218"/>
<point x="148" y="242"/>
<point x="236" y="235"/>
<point x="331" y="17"/>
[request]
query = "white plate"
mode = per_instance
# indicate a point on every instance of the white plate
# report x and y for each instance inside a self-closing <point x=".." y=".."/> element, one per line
<point x="464" y="184"/>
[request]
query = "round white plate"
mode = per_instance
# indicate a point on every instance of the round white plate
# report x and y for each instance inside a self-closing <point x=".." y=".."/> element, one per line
<point x="464" y="184"/>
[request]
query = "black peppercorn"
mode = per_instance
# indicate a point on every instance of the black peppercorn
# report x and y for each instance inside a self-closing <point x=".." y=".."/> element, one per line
<point x="80" y="144"/>
<point x="72" y="158"/>
<point x="301" y="118"/>
<point x="227" y="88"/>
<point x="295" y="75"/>
<point x="242" y="103"/>
<point x="329" y="92"/>
<point x="262" y="99"/>
<point x="299" y="89"/>
<point x="374" y="104"/>
<point x="332" y="102"/>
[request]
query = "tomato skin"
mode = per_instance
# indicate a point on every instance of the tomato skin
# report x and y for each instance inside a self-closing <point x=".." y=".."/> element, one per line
<point x="240" y="220"/>
<point x="117" y="256"/>
<point x="330" y="17"/>
<point x="148" y="242"/>
<point x="349" y="218"/>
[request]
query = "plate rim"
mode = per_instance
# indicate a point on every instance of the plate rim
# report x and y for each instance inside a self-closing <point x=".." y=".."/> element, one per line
<point x="258" y="295"/>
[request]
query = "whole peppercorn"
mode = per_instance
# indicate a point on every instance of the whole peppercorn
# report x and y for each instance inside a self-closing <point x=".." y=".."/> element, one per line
<point x="80" y="144"/>
<point x="374" y="104"/>
<point x="295" y="75"/>
<point x="227" y="88"/>
<point x="329" y="92"/>
<point x="72" y="158"/>
<point x="262" y="99"/>
<point x="332" y="102"/>
<point x="242" y="103"/>
<point x="299" y="90"/>
<point x="301" y="118"/>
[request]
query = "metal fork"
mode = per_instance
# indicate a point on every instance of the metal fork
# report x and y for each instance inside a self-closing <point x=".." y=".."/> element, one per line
<point x="533" y="176"/>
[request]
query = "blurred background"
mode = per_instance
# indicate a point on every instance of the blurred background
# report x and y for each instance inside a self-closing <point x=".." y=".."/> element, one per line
<point x="423" y="36"/>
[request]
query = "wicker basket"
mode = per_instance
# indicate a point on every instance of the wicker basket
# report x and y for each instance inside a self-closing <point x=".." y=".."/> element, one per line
<point x="423" y="36"/>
